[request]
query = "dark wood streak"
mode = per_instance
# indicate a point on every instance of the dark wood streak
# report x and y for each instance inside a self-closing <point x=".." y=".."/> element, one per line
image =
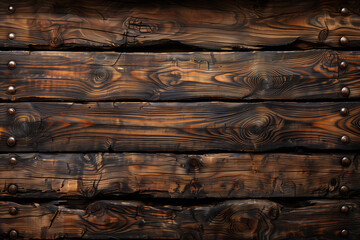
<point x="174" y="127"/>
<point x="99" y="76"/>
<point x="230" y="24"/>
<point x="245" y="219"/>
<point x="178" y="176"/>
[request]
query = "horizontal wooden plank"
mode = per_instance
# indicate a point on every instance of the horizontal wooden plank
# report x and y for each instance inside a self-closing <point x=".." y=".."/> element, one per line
<point x="246" y="219"/>
<point x="230" y="24"/>
<point x="178" y="175"/>
<point x="100" y="76"/>
<point x="174" y="127"/>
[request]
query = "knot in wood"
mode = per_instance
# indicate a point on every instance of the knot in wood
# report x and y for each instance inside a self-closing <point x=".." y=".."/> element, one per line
<point x="194" y="164"/>
<point x="27" y="125"/>
<point x="100" y="76"/>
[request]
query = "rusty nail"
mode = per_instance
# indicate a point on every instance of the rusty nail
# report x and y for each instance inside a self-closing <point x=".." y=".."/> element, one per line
<point x="344" y="11"/>
<point x="344" y="41"/>
<point x="345" y="91"/>
<point x="345" y="161"/>
<point x="11" y="9"/>
<point x="13" y="210"/>
<point x="345" y="139"/>
<point x="11" y="90"/>
<point x="11" y="36"/>
<point x="344" y="232"/>
<point x="12" y="161"/>
<point x="344" y="190"/>
<point x="344" y="209"/>
<point x="11" y="141"/>
<point x="11" y="111"/>
<point x="343" y="65"/>
<point x="12" y="189"/>
<point x="13" y="234"/>
<point x="11" y="64"/>
<point x="344" y="111"/>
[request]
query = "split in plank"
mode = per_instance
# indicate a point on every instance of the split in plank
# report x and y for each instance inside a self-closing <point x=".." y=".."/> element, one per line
<point x="174" y="127"/>
<point x="245" y="219"/>
<point x="230" y="24"/>
<point x="110" y="76"/>
<point x="165" y="175"/>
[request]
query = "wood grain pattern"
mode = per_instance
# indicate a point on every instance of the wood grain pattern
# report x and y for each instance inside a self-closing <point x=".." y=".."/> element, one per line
<point x="245" y="219"/>
<point x="230" y="24"/>
<point x="104" y="76"/>
<point x="178" y="175"/>
<point x="174" y="127"/>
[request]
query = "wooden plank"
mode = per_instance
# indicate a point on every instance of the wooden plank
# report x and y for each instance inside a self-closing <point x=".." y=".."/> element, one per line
<point x="100" y="76"/>
<point x="174" y="127"/>
<point x="246" y="219"/>
<point x="224" y="175"/>
<point x="230" y="24"/>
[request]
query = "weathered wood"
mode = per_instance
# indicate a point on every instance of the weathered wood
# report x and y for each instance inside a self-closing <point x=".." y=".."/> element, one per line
<point x="178" y="175"/>
<point x="246" y="219"/>
<point x="230" y="24"/>
<point x="99" y="76"/>
<point x="174" y="127"/>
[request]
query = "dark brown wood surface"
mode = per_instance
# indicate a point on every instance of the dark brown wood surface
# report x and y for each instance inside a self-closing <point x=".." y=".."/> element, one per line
<point x="174" y="127"/>
<point x="178" y="175"/>
<point x="222" y="25"/>
<point x="243" y="219"/>
<point x="104" y="76"/>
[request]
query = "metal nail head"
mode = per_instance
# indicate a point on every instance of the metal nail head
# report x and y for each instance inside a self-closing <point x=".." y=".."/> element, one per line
<point x="11" y="141"/>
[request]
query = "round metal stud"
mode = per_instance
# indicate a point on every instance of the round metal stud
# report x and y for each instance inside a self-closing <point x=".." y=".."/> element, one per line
<point x="12" y="161"/>
<point x="344" y="209"/>
<point x="13" y="234"/>
<point x="345" y="91"/>
<point x="12" y="189"/>
<point x="343" y="65"/>
<point x="345" y="139"/>
<point x="344" y="190"/>
<point x="13" y="210"/>
<point x="11" y="36"/>
<point x="11" y="141"/>
<point x="345" y="161"/>
<point x="344" y="41"/>
<point x="11" y="90"/>
<point x="11" y="9"/>
<point x="344" y="111"/>
<point x="11" y="111"/>
<point x="344" y="233"/>
<point x="344" y="11"/>
<point x="12" y="64"/>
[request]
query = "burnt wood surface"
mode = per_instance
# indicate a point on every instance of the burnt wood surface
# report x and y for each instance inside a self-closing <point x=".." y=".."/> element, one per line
<point x="109" y="76"/>
<point x="176" y="127"/>
<point x="224" y="25"/>
<point x="242" y="219"/>
<point x="179" y="175"/>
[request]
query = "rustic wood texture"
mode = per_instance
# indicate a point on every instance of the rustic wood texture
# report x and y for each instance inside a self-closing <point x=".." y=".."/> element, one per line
<point x="174" y="127"/>
<point x="246" y="219"/>
<point x="230" y="24"/>
<point x="178" y="176"/>
<point x="104" y="76"/>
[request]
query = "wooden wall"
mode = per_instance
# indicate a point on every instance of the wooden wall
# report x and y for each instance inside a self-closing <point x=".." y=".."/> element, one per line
<point x="134" y="119"/>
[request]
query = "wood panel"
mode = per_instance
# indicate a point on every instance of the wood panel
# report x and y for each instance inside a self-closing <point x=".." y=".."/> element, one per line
<point x="104" y="76"/>
<point x="178" y="175"/>
<point x="230" y="24"/>
<point x="246" y="219"/>
<point x="174" y="127"/>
